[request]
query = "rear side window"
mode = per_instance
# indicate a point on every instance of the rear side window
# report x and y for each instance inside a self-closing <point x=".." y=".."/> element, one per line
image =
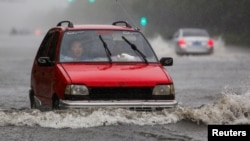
<point x="187" y="33"/>
<point x="45" y="45"/>
<point x="48" y="45"/>
<point x="53" y="45"/>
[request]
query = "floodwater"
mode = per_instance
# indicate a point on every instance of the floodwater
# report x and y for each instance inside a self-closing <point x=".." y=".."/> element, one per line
<point x="211" y="89"/>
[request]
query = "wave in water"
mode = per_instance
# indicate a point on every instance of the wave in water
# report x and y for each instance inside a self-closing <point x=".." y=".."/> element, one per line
<point x="230" y="109"/>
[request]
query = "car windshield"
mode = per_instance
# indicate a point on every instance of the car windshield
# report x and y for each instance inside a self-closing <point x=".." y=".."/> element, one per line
<point x="195" y="32"/>
<point x="105" y="46"/>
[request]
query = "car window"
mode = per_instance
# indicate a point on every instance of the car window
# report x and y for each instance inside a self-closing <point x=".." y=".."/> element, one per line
<point x="53" y="45"/>
<point x="195" y="33"/>
<point x="43" y="49"/>
<point x="93" y="49"/>
<point x="48" y="45"/>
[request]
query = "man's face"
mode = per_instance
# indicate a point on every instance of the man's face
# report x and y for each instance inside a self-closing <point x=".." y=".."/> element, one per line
<point x="76" y="49"/>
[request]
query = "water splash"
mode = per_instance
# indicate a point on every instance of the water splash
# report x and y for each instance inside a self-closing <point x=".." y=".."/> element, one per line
<point x="162" y="47"/>
<point x="84" y="118"/>
<point x="165" y="48"/>
<point x="230" y="109"/>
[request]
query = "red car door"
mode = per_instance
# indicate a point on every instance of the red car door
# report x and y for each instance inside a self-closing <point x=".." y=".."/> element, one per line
<point x="44" y="75"/>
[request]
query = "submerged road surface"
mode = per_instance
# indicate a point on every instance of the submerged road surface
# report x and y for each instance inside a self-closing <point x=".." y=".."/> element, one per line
<point x="213" y="89"/>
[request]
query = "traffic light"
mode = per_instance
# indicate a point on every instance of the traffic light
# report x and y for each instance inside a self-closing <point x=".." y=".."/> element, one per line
<point x="91" y="1"/>
<point x="70" y="1"/>
<point x="143" y="21"/>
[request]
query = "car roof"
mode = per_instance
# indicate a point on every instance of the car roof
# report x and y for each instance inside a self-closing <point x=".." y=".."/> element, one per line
<point x="114" y="26"/>
<point x="193" y="29"/>
<point x="107" y="27"/>
<point x="194" y="32"/>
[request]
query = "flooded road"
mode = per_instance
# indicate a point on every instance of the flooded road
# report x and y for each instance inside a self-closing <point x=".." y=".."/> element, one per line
<point x="212" y="89"/>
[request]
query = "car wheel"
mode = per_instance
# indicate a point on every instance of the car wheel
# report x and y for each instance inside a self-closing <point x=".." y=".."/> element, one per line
<point x="55" y="102"/>
<point x="32" y="100"/>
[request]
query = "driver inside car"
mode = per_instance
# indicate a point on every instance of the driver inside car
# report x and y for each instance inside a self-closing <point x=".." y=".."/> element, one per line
<point x="75" y="51"/>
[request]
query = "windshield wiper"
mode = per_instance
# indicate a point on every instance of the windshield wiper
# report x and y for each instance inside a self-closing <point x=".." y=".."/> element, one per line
<point x="106" y="49"/>
<point x="133" y="46"/>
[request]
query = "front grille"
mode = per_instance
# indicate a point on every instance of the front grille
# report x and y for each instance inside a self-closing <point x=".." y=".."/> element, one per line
<point x="120" y="93"/>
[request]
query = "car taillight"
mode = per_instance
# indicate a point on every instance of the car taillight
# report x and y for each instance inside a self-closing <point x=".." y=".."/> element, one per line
<point x="181" y="42"/>
<point x="210" y="42"/>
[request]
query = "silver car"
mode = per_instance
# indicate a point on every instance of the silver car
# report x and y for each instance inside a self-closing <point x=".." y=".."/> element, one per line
<point x="192" y="41"/>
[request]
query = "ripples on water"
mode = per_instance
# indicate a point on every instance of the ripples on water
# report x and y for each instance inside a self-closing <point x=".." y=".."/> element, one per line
<point x="230" y="109"/>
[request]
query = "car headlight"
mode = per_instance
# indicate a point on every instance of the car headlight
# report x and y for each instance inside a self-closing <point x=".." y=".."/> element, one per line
<point x="76" y="90"/>
<point x="163" y="90"/>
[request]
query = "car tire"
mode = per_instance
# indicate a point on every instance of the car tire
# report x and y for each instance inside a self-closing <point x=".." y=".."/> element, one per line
<point x="55" y="102"/>
<point x="32" y="100"/>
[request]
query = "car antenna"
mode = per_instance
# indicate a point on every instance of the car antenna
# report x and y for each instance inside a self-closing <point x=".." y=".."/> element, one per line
<point x="125" y="11"/>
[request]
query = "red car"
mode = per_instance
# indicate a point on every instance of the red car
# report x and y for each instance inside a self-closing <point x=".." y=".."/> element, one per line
<point x="82" y="66"/>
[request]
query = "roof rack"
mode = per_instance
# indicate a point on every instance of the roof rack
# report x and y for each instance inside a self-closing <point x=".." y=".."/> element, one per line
<point x="122" y="22"/>
<point x="70" y="24"/>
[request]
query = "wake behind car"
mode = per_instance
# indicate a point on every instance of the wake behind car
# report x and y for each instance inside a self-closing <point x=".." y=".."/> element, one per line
<point x="192" y="41"/>
<point x="82" y="66"/>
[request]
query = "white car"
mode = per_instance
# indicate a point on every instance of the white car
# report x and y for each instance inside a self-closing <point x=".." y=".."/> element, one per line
<point x="192" y="41"/>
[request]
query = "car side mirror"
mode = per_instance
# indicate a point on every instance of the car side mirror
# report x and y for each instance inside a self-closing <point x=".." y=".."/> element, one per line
<point x="44" y="61"/>
<point x="166" y="61"/>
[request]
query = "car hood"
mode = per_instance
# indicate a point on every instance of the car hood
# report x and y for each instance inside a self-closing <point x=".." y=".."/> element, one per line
<point x="117" y="74"/>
